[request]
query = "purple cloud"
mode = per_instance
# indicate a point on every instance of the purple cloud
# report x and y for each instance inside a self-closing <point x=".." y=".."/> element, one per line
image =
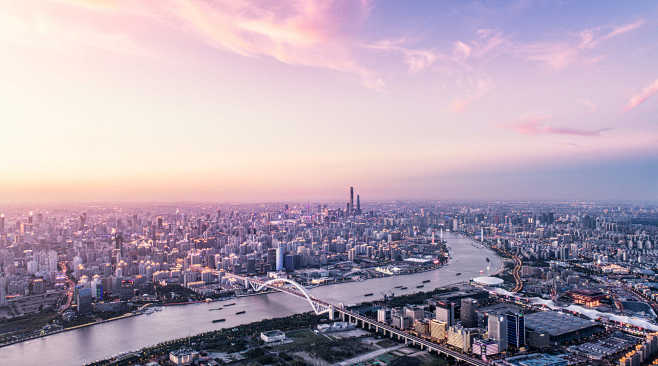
<point x="537" y="125"/>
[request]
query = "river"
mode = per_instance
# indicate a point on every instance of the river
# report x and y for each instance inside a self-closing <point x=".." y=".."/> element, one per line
<point x="101" y="341"/>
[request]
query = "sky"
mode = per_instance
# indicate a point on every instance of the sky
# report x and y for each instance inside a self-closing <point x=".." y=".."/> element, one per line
<point x="269" y="100"/>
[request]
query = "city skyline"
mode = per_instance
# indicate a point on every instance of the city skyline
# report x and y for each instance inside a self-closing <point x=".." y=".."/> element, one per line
<point x="256" y="101"/>
<point x="328" y="182"/>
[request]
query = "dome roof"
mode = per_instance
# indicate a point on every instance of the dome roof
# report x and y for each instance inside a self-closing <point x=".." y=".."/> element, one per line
<point x="488" y="281"/>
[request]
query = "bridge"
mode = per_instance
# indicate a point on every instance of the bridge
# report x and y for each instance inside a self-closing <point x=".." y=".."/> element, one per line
<point x="334" y="312"/>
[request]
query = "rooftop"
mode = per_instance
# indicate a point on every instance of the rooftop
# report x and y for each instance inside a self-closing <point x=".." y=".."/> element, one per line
<point x="488" y="281"/>
<point x="536" y="359"/>
<point x="555" y="323"/>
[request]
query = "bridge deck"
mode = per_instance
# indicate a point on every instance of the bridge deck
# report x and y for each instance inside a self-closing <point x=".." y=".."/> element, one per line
<point x="364" y="320"/>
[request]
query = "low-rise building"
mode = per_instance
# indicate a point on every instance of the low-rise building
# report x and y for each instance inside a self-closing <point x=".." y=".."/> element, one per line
<point x="273" y="336"/>
<point x="183" y="356"/>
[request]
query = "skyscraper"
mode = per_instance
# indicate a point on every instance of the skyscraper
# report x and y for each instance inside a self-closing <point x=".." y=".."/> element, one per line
<point x="445" y="312"/>
<point x="351" y="209"/>
<point x="279" y="258"/>
<point x="84" y="300"/>
<point x="289" y="261"/>
<point x="358" y="204"/>
<point x="3" y="290"/>
<point x="467" y="313"/>
<point x="384" y="315"/>
<point x="515" y="329"/>
<point x="497" y="330"/>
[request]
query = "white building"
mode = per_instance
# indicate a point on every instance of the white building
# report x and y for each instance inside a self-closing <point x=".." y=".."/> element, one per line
<point x="497" y="330"/>
<point x="183" y="356"/>
<point x="273" y="336"/>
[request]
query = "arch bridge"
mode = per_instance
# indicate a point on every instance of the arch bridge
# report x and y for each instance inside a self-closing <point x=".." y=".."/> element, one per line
<point x="319" y="307"/>
<point x="322" y="307"/>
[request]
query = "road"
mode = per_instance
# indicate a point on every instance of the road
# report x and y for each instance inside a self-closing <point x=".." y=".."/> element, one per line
<point x="516" y="272"/>
<point x="71" y="288"/>
<point x="324" y="306"/>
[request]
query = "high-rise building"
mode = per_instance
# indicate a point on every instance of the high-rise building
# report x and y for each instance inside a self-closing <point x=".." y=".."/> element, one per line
<point x="445" y="312"/>
<point x="251" y="264"/>
<point x="289" y="262"/>
<point x="280" y="253"/>
<point x="497" y="330"/>
<point x="460" y="337"/>
<point x="2" y="223"/>
<point x="438" y="330"/>
<point x="84" y="300"/>
<point x="414" y="312"/>
<point x="351" y="208"/>
<point x="358" y="204"/>
<point x="118" y="243"/>
<point x="97" y="287"/>
<point x="400" y="321"/>
<point x="467" y="312"/>
<point x="384" y="315"/>
<point x="3" y="290"/>
<point x="271" y="259"/>
<point x="515" y="329"/>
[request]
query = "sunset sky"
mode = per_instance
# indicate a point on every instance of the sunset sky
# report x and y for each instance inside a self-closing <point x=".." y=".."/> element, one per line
<point x="247" y="100"/>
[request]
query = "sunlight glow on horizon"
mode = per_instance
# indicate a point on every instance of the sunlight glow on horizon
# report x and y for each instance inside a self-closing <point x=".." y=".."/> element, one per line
<point x="249" y="100"/>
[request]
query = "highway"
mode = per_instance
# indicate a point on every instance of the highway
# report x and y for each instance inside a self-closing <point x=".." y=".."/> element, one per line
<point x="69" y="292"/>
<point x="516" y="272"/>
<point x="324" y="307"/>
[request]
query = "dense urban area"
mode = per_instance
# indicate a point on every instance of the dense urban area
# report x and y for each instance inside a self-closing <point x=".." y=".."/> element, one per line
<point x="577" y="284"/>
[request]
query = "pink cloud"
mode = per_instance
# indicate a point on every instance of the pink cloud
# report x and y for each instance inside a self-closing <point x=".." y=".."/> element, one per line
<point x="591" y="106"/>
<point x="301" y="32"/>
<point x="462" y="50"/>
<point x="642" y="96"/>
<point x="616" y="31"/>
<point x="559" y="54"/>
<point x="480" y="89"/>
<point x="537" y="125"/>
<point x="32" y="24"/>
<point x="416" y="59"/>
<point x="487" y="40"/>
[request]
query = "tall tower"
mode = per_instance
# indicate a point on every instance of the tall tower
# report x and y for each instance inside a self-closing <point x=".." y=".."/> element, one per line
<point x="118" y="244"/>
<point x="3" y="290"/>
<point x="445" y="312"/>
<point x="351" y="200"/>
<point x="280" y="253"/>
<point x="497" y="330"/>
<point x="467" y="312"/>
<point x="3" y="235"/>
<point x="515" y="329"/>
<point x="358" y="204"/>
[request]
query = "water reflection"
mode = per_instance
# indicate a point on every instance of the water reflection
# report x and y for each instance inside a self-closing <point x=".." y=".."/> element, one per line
<point x="101" y="341"/>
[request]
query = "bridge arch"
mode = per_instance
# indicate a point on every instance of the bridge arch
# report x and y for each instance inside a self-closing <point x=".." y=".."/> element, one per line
<point x="316" y="307"/>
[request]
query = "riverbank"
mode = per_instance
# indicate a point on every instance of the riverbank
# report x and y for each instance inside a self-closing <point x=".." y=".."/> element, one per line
<point x="222" y="340"/>
<point x="79" y="326"/>
<point x="99" y="342"/>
